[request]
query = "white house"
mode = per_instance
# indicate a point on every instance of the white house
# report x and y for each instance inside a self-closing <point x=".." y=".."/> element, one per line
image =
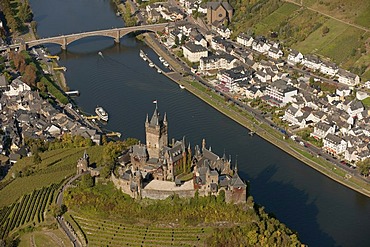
<point x="200" y="40"/>
<point x="291" y="114"/>
<point x="328" y="68"/>
<point x="202" y="8"/>
<point x="275" y="53"/>
<point x="16" y="87"/>
<point x="355" y="108"/>
<point x="232" y="76"/>
<point x="223" y="31"/>
<point x="321" y="130"/>
<point x="334" y="144"/>
<point x="348" y="78"/>
<point x="254" y="92"/>
<point x="260" y="46"/>
<point x="312" y="62"/>
<point x="244" y="39"/>
<point x="217" y="62"/>
<point x="279" y="92"/>
<point x="194" y="52"/>
<point x="294" y="57"/>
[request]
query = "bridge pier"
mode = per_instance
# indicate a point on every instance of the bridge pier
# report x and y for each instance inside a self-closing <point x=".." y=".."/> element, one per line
<point x="116" y="39"/>
<point x="64" y="44"/>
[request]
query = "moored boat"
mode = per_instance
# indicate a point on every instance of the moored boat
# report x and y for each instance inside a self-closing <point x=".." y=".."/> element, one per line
<point x="181" y="86"/>
<point x="159" y="71"/>
<point x="102" y="114"/>
<point x="142" y="54"/>
<point x="161" y="59"/>
<point x="151" y="65"/>
<point x="165" y="64"/>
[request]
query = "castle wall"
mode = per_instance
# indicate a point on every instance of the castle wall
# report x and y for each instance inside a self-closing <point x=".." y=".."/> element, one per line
<point x="161" y="194"/>
<point x="123" y="185"/>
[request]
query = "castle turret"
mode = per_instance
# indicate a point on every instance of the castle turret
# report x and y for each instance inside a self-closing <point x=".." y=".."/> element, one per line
<point x="156" y="134"/>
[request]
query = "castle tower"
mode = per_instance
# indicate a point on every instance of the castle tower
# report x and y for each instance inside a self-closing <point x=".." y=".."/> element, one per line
<point x="83" y="163"/>
<point x="156" y="133"/>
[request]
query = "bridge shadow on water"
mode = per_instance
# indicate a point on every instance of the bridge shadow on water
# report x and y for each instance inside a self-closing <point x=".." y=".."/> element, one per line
<point x="293" y="207"/>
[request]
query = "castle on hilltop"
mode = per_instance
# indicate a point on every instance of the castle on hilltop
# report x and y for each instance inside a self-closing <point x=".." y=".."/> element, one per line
<point x="154" y="169"/>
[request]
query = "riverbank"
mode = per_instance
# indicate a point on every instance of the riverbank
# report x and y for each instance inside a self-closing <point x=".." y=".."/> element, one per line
<point x="263" y="130"/>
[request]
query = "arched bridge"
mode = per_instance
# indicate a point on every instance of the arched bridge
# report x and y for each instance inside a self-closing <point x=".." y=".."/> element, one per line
<point x="115" y="33"/>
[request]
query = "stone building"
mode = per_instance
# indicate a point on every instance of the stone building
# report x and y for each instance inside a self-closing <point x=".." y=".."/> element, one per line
<point x="219" y="12"/>
<point x="83" y="163"/>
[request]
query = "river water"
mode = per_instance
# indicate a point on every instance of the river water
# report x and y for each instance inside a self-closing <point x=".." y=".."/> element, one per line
<point x="324" y="213"/>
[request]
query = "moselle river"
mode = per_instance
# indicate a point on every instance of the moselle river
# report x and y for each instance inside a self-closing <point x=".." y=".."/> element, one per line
<point x="323" y="212"/>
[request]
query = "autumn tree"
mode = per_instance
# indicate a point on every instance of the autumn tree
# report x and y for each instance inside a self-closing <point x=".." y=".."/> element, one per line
<point x="29" y="76"/>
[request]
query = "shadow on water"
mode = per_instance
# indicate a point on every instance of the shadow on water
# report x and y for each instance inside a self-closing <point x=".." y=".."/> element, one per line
<point x="299" y="212"/>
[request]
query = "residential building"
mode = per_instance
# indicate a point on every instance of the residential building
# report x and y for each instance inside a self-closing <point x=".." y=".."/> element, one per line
<point x="328" y="68"/>
<point x="334" y="144"/>
<point x="244" y="39"/>
<point x="194" y="52"/>
<point x="311" y="62"/>
<point x="321" y="130"/>
<point x="213" y="63"/>
<point x="16" y="87"/>
<point x="279" y="93"/>
<point x="348" y="78"/>
<point x="295" y="57"/>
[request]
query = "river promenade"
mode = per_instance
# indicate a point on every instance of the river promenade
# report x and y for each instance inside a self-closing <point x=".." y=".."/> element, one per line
<point x="261" y="129"/>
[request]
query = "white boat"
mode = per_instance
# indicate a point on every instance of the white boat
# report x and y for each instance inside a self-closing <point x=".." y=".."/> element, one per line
<point x="151" y="65"/>
<point x="142" y="54"/>
<point x="181" y="86"/>
<point x="102" y="114"/>
<point x="165" y="64"/>
<point x="161" y="59"/>
<point x="159" y="71"/>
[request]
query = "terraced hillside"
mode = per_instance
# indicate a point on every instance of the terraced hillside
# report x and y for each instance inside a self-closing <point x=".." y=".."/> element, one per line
<point x="336" y="30"/>
<point x="55" y="166"/>
<point x="30" y="208"/>
<point x="109" y="233"/>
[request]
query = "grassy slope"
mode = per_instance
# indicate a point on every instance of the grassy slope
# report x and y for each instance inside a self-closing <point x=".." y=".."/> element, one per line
<point x="352" y="11"/>
<point x="271" y="22"/>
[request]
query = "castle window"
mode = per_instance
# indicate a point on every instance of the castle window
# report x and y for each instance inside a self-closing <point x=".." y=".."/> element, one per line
<point x="220" y="15"/>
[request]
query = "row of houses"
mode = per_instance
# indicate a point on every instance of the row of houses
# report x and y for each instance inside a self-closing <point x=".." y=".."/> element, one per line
<point x="26" y="115"/>
<point x="339" y="121"/>
<point x="314" y="63"/>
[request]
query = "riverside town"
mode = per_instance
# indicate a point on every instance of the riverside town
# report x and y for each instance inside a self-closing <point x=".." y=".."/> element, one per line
<point x="263" y="141"/>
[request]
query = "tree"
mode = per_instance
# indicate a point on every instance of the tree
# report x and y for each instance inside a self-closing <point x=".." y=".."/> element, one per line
<point x="25" y="13"/>
<point x="87" y="181"/>
<point x="131" y="141"/>
<point x="325" y="30"/>
<point x="57" y="210"/>
<point x="221" y="196"/>
<point x="36" y="158"/>
<point x="177" y="40"/>
<point x="29" y="76"/>
<point x="364" y="167"/>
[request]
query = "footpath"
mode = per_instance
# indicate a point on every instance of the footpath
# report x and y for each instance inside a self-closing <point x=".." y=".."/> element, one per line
<point x="326" y="168"/>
